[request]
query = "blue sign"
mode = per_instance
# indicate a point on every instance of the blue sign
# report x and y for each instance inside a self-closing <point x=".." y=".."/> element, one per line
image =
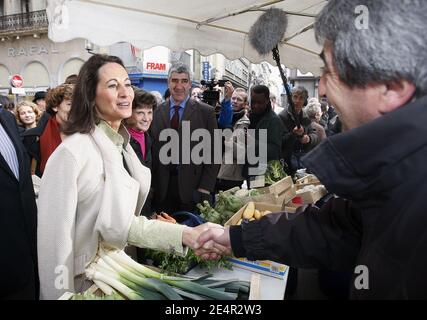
<point x="205" y="71"/>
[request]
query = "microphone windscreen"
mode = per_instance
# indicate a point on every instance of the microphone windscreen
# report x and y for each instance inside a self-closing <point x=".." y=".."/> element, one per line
<point x="268" y="30"/>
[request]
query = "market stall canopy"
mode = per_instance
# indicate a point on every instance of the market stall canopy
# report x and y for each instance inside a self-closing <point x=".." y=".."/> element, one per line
<point x="219" y="26"/>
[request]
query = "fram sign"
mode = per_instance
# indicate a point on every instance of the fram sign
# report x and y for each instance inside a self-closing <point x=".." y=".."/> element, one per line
<point x="154" y="66"/>
<point x="156" y="61"/>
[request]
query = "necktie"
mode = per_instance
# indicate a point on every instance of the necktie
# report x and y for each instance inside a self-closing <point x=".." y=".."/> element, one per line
<point x="175" y="118"/>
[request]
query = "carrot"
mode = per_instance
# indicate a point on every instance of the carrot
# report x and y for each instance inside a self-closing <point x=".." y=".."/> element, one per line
<point x="168" y="217"/>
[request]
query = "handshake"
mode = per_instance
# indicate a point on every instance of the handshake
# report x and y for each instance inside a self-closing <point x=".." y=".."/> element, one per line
<point x="209" y="241"/>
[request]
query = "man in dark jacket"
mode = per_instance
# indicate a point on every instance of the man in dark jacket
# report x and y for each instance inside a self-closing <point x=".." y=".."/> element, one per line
<point x="262" y="118"/>
<point x="179" y="182"/>
<point x="18" y="216"/>
<point x="377" y="228"/>
<point x="297" y="141"/>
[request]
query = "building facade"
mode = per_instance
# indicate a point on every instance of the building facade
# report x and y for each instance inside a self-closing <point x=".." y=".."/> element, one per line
<point x="25" y="48"/>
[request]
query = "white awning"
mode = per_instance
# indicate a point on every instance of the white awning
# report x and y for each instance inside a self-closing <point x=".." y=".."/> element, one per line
<point x="209" y="26"/>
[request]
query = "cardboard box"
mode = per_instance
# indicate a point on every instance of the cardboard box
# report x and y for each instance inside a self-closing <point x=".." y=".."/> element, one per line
<point x="269" y="268"/>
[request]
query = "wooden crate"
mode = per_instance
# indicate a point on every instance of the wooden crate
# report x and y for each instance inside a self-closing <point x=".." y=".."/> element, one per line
<point x="307" y="180"/>
<point x="258" y="205"/>
<point x="312" y="196"/>
<point x="280" y="186"/>
<point x="269" y="268"/>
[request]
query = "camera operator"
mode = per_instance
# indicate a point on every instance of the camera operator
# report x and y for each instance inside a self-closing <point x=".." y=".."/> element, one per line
<point x="226" y="113"/>
<point x="196" y="93"/>
<point x="211" y="96"/>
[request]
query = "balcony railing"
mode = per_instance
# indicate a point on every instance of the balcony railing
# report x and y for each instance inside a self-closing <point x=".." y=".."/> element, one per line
<point x="29" y="21"/>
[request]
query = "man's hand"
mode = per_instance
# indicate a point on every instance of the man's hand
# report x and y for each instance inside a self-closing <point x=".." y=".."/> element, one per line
<point x="215" y="239"/>
<point x="299" y="132"/>
<point x="190" y="238"/>
<point x="228" y="90"/>
<point x="305" y="139"/>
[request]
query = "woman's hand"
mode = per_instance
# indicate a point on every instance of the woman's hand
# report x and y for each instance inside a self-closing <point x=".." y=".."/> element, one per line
<point x="191" y="235"/>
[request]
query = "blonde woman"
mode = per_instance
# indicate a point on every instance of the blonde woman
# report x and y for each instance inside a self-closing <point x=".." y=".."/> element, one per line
<point x="27" y="115"/>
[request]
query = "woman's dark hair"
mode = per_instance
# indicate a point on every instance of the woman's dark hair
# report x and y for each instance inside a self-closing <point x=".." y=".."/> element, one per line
<point x="143" y="98"/>
<point x="83" y="116"/>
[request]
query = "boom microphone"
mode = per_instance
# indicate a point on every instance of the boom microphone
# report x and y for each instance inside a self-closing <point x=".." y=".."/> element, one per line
<point x="265" y="36"/>
<point x="268" y="30"/>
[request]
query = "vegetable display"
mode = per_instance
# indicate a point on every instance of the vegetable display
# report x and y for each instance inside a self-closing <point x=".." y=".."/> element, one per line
<point x="120" y="277"/>
<point x="171" y="263"/>
<point x="227" y="204"/>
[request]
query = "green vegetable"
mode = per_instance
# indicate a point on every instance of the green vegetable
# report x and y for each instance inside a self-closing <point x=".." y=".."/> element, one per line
<point x="174" y="264"/>
<point x="208" y="213"/>
<point x="226" y="205"/>
<point x="134" y="281"/>
<point x="274" y="173"/>
<point x="254" y="192"/>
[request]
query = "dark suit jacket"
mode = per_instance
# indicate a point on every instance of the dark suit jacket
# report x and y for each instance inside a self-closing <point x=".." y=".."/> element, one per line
<point x="190" y="176"/>
<point x="18" y="223"/>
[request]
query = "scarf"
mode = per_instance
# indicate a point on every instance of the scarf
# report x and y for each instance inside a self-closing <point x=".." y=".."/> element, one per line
<point x="50" y="139"/>
<point x="139" y="136"/>
<point x="237" y="115"/>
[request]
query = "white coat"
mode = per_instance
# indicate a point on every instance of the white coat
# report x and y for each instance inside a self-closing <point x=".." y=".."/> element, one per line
<point x="86" y="197"/>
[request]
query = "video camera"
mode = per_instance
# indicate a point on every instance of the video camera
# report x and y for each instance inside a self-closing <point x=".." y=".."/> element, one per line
<point x="210" y="95"/>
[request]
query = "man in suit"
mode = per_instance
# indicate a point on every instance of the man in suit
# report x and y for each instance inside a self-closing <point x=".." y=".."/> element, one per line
<point x="18" y="216"/>
<point x="180" y="185"/>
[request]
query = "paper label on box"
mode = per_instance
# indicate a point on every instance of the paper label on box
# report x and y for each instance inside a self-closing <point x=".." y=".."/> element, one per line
<point x="268" y="268"/>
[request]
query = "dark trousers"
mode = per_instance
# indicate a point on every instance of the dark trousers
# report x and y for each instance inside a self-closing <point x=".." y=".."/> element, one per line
<point x="173" y="202"/>
<point x="29" y="292"/>
<point x="335" y="284"/>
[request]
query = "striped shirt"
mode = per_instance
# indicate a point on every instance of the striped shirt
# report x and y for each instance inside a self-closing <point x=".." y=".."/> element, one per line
<point x="7" y="150"/>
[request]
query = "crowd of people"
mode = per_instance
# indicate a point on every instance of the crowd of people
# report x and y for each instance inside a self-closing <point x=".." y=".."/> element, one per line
<point x="109" y="155"/>
<point x="96" y="143"/>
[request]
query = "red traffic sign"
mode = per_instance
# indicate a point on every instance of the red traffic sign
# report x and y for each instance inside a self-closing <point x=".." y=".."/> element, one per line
<point x="17" y="81"/>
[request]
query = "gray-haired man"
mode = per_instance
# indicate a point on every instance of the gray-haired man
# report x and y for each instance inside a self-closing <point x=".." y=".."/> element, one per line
<point x="376" y="78"/>
<point x="180" y="185"/>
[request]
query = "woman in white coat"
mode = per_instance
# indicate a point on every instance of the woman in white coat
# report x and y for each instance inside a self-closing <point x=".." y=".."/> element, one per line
<point x="94" y="186"/>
